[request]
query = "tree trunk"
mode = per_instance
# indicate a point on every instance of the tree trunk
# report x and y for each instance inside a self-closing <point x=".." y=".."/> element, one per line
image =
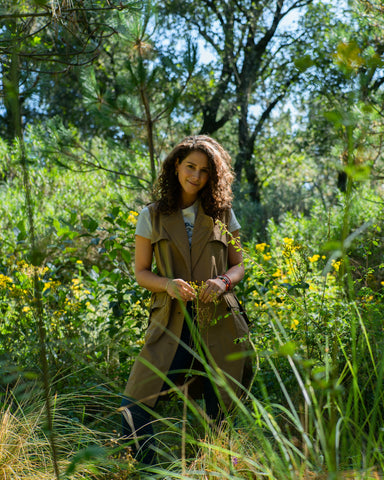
<point x="11" y="92"/>
<point x="244" y="158"/>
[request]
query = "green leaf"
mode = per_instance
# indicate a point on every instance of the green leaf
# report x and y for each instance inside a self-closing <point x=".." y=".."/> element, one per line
<point x="90" y="224"/>
<point x="90" y="453"/>
<point x="126" y="255"/>
<point x="288" y="349"/>
<point x="358" y="172"/>
<point x="56" y="224"/>
<point x="303" y="63"/>
<point x="332" y="245"/>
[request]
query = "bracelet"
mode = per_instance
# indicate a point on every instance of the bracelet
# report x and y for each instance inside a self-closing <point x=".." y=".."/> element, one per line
<point x="167" y="284"/>
<point x="224" y="278"/>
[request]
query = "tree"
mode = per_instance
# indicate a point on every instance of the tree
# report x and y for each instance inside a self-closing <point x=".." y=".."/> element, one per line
<point x="258" y="62"/>
<point x="134" y="88"/>
<point x="344" y="103"/>
<point x="42" y="39"/>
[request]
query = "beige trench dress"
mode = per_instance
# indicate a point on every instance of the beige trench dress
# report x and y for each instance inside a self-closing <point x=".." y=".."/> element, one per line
<point x="206" y="258"/>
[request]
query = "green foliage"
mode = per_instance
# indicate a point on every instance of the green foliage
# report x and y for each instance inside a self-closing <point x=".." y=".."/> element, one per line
<point x="314" y="287"/>
<point x="94" y="312"/>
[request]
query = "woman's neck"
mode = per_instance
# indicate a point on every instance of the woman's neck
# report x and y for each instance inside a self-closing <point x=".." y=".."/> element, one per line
<point x="187" y="202"/>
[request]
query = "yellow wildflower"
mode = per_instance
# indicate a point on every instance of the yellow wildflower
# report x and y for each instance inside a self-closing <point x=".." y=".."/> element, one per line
<point x="5" y="281"/>
<point x="132" y="217"/>
<point x="260" y="247"/>
<point x="267" y="256"/>
<point x="314" y="259"/>
<point x="278" y="273"/>
<point x="336" y="265"/>
<point x="288" y="241"/>
<point x="294" y="324"/>
<point x="80" y="262"/>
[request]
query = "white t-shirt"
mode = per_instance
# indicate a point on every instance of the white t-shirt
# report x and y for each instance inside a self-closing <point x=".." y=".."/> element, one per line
<point x="144" y="226"/>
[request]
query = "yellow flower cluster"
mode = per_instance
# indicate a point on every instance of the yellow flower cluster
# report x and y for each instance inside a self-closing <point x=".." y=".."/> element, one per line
<point x="294" y="323"/>
<point x="51" y="284"/>
<point x="29" y="270"/>
<point x="5" y="282"/>
<point x="290" y="247"/>
<point x="315" y="258"/>
<point x="278" y="273"/>
<point x="260" y="247"/>
<point x="132" y="217"/>
<point x="77" y="288"/>
<point x="204" y="316"/>
<point x="336" y="265"/>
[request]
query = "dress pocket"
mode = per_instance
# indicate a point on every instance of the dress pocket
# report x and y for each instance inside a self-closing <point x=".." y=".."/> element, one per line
<point x="158" y="317"/>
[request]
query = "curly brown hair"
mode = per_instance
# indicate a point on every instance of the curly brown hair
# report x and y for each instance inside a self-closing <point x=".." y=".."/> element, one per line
<point x="216" y="196"/>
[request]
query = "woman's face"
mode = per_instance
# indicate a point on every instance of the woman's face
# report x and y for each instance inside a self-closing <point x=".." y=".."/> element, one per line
<point x="193" y="175"/>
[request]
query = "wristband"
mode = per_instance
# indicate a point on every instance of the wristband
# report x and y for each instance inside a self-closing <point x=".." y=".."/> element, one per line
<point x="224" y="278"/>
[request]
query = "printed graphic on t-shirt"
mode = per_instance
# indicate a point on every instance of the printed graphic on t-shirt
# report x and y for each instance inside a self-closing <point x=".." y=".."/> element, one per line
<point x="189" y="227"/>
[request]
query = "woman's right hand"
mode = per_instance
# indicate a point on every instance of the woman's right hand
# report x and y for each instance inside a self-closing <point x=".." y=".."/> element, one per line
<point x="179" y="288"/>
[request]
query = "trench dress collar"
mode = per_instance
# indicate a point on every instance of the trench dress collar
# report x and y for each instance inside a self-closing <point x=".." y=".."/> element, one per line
<point x="202" y="232"/>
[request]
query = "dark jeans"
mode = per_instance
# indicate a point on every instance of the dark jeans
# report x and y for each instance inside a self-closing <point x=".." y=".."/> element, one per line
<point x="142" y="419"/>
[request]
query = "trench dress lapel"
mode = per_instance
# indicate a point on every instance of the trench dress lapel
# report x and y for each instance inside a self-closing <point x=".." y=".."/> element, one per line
<point x="175" y="227"/>
<point x="202" y="232"/>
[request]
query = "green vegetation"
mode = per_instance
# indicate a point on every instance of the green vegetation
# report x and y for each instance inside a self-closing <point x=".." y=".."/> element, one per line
<point x="94" y="94"/>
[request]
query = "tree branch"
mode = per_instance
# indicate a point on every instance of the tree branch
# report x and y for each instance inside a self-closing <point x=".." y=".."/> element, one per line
<point x="64" y="11"/>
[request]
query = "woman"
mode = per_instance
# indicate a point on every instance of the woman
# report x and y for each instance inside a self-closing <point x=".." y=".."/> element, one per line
<point x="190" y="248"/>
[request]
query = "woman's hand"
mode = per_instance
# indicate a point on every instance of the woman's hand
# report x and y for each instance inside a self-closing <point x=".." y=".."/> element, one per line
<point x="179" y="288"/>
<point x="214" y="287"/>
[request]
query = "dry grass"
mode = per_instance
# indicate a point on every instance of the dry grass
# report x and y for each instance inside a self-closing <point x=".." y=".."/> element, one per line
<point x="25" y="452"/>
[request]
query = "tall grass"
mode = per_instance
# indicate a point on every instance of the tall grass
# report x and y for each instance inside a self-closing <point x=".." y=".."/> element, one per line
<point x="329" y="431"/>
<point x="326" y="423"/>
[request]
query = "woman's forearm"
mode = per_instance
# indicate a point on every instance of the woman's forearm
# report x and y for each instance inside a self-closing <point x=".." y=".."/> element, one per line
<point x="235" y="274"/>
<point x="175" y="287"/>
<point x="151" y="281"/>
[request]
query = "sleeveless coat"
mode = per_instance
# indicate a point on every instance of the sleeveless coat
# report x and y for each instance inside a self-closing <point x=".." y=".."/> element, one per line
<point x="206" y="258"/>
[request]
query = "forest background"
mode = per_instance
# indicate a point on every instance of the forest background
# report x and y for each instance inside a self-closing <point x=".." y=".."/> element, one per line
<point x="94" y="94"/>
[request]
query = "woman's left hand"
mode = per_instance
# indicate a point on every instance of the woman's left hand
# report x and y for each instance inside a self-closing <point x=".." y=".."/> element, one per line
<point x="214" y="287"/>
